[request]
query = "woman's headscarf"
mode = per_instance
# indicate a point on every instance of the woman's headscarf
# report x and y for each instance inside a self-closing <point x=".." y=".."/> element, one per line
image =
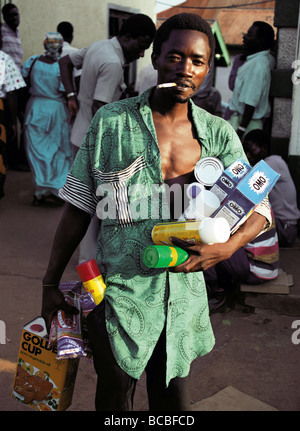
<point x="52" y="43"/>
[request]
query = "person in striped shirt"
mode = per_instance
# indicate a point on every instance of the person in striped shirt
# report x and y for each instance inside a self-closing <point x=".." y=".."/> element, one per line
<point x="255" y="263"/>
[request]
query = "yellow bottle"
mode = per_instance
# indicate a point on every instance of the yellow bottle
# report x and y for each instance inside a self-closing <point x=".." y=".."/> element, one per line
<point x="206" y="231"/>
<point x="92" y="279"/>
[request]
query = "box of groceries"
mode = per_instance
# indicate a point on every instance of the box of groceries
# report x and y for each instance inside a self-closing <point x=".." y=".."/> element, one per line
<point x="42" y="381"/>
<point x="47" y="366"/>
<point x="247" y="194"/>
<point x="229" y="179"/>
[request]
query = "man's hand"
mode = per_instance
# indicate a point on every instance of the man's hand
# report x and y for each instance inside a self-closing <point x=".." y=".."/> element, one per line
<point x="73" y="109"/>
<point x="54" y="300"/>
<point x="202" y="256"/>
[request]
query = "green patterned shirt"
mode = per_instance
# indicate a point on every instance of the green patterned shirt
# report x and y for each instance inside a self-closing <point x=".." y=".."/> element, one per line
<point x="119" y="164"/>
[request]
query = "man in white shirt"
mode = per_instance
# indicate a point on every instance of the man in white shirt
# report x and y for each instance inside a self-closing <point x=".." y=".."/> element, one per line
<point x="103" y="75"/>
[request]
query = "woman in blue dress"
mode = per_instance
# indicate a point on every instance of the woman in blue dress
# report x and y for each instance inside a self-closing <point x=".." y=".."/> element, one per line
<point x="46" y="130"/>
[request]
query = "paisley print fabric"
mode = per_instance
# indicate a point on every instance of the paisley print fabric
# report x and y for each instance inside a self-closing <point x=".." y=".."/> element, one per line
<point x="119" y="165"/>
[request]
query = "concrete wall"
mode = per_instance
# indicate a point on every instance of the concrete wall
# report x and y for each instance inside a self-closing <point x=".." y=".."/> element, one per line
<point x="89" y="18"/>
<point x="282" y="109"/>
<point x="286" y="20"/>
<point x="286" y="119"/>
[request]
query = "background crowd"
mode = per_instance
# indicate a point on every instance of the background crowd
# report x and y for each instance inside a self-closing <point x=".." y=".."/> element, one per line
<point x="45" y="112"/>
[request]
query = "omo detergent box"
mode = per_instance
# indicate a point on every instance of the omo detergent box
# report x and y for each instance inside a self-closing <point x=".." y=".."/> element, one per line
<point x="229" y="179"/>
<point x="248" y="193"/>
<point x="42" y="381"/>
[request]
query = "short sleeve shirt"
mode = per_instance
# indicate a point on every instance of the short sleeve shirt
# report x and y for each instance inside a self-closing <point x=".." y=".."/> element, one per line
<point x="252" y="85"/>
<point x="10" y="76"/>
<point x="102" y="71"/>
<point x="102" y="79"/>
<point x="120" y="158"/>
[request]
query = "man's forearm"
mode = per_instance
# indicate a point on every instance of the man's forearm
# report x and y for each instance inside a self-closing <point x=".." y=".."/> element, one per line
<point x="247" y="232"/>
<point x="66" y="71"/>
<point x="247" y="115"/>
<point x="70" y="232"/>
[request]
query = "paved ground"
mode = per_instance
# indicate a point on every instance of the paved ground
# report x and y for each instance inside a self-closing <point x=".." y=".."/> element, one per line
<point x="254" y="365"/>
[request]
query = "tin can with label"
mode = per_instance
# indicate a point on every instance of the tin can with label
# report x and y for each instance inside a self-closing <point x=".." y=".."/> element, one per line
<point x="208" y="170"/>
<point x="206" y="231"/>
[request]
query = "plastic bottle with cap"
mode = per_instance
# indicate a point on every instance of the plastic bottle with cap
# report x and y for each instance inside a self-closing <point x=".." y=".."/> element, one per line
<point x="202" y="205"/>
<point x="164" y="256"/>
<point x="92" y="279"/>
<point x="214" y="230"/>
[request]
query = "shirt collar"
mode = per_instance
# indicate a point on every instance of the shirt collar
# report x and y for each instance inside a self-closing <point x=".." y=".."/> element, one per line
<point x="258" y="54"/>
<point x="198" y="115"/>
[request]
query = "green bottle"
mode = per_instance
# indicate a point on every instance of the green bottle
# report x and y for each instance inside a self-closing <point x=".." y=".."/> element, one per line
<point x="163" y="256"/>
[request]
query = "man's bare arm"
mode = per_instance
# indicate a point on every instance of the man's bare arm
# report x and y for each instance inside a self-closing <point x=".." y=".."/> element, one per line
<point x="246" y="118"/>
<point x="70" y="231"/>
<point x="66" y="71"/>
<point x="205" y="256"/>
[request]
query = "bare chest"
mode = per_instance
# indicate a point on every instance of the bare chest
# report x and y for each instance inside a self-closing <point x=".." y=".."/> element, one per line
<point x="179" y="148"/>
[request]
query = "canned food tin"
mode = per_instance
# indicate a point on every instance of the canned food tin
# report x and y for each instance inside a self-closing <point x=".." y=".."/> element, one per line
<point x="185" y="230"/>
<point x="206" y="231"/>
<point x="208" y="170"/>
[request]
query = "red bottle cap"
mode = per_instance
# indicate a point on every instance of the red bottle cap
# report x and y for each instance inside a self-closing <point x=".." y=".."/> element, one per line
<point x="88" y="270"/>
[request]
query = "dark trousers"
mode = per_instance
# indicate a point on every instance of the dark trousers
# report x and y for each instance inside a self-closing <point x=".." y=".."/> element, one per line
<point x="287" y="233"/>
<point x="225" y="273"/>
<point x="115" y="388"/>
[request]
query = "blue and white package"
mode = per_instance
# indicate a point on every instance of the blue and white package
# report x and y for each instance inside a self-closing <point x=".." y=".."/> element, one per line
<point x="248" y="193"/>
<point x="229" y="179"/>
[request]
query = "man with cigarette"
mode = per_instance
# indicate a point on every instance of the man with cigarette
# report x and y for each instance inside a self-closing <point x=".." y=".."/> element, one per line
<point x="151" y="320"/>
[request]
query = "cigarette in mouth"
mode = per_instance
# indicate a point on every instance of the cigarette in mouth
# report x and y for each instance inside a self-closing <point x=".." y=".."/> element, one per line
<point x="166" y="85"/>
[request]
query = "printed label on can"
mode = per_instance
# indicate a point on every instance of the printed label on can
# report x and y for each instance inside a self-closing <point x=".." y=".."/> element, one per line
<point x="96" y="287"/>
<point x="187" y="231"/>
